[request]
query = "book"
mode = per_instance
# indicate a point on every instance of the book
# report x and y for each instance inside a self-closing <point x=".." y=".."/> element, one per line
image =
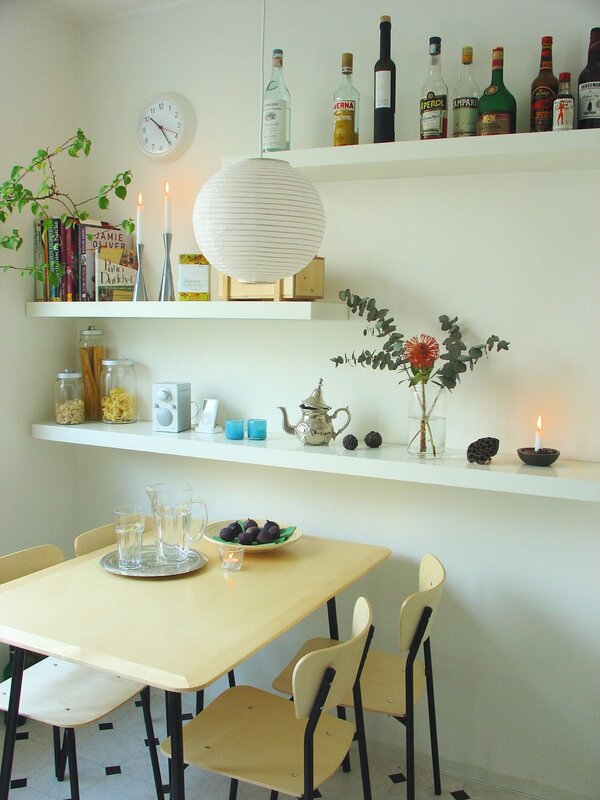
<point x="40" y="244"/>
<point x="71" y="253"/>
<point x="116" y="273"/>
<point x="54" y="259"/>
<point x="94" y="234"/>
<point x="194" y="277"/>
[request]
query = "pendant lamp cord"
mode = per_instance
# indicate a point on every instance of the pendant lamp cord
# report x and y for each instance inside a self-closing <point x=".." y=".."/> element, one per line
<point x="262" y="76"/>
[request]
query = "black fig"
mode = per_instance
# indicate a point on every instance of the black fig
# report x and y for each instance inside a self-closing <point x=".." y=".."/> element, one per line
<point x="265" y="536"/>
<point x="246" y="538"/>
<point x="235" y="527"/>
<point x="373" y="439"/>
<point x="252" y="531"/>
<point x="350" y="442"/>
<point x="227" y="534"/>
<point x="250" y="523"/>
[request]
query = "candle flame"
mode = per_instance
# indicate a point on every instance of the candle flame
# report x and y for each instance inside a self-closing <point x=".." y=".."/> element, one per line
<point x="140" y="199"/>
<point x="539" y="424"/>
<point x="167" y="187"/>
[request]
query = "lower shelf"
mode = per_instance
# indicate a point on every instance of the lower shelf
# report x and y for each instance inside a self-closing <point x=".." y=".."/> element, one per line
<point x="567" y="480"/>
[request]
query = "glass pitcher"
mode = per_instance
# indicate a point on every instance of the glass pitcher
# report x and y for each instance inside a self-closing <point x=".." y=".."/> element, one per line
<point x="172" y="509"/>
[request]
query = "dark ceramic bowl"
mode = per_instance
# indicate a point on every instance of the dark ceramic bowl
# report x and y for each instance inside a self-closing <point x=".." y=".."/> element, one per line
<point x="538" y="458"/>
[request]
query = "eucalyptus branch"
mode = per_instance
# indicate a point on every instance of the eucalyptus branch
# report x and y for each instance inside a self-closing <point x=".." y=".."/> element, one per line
<point x="15" y="196"/>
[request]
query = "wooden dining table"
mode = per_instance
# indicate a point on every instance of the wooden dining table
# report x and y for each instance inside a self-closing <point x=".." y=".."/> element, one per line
<point x="178" y="633"/>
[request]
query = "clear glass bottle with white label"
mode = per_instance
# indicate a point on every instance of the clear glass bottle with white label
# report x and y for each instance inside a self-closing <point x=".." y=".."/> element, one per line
<point x="345" y="107"/>
<point x="434" y="96"/>
<point x="277" y="109"/>
<point x="465" y="99"/>
<point x="563" y="112"/>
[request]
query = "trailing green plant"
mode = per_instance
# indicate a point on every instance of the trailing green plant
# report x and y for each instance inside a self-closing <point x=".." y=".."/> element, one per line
<point x="16" y="197"/>
<point x="416" y="357"/>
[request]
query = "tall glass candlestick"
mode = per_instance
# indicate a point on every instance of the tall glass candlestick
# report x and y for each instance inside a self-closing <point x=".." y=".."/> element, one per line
<point x="167" y="290"/>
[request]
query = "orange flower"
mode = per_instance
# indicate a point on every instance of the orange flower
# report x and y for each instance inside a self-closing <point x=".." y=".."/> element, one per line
<point x="422" y="352"/>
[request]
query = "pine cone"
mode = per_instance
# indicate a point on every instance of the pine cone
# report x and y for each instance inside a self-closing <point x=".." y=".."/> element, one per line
<point x="350" y="442"/>
<point x="481" y="451"/>
<point x="373" y="439"/>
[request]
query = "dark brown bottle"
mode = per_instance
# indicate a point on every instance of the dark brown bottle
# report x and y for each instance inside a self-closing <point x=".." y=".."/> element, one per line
<point x="543" y="91"/>
<point x="384" y="105"/>
<point x="589" y="86"/>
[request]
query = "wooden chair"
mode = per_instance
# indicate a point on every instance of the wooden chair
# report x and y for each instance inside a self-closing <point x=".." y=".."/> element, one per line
<point x="258" y="737"/>
<point x="66" y="695"/>
<point x="392" y="683"/>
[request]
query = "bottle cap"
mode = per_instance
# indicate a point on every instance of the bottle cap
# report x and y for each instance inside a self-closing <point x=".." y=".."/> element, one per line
<point x="467" y="55"/>
<point x="564" y="77"/>
<point x="386" y="19"/>
<point x="546" y="40"/>
<point x="346" y="62"/>
<point x="277" y="52"/>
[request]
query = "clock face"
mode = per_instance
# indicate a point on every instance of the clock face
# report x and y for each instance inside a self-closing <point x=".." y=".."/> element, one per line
<point x="164" y="126"/>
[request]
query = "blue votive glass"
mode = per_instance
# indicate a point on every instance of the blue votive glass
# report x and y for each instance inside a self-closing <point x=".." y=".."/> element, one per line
<point x="257" y="428"/>
<point x="234" y="428"/>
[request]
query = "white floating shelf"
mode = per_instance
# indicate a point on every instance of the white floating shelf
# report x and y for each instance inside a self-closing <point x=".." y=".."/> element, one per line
<point x="567" y="480"/>
<point x="213" y="309"/>
<point x="520" y="152"/>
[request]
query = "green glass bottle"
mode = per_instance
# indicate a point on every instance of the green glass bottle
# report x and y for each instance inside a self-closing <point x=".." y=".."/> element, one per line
<point x="497" y="106"/>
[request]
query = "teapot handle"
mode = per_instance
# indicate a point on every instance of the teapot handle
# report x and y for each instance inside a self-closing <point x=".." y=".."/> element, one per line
<point x="334" y="415"/>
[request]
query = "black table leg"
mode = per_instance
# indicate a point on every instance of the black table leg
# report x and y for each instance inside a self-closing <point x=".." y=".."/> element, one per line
<point x="176" y="734"/>
<point x="335" y="634"/>
<point x="11" y="722"/>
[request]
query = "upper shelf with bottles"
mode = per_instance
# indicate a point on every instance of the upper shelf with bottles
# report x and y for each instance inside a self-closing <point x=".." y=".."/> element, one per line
<point x="519" y="152"/>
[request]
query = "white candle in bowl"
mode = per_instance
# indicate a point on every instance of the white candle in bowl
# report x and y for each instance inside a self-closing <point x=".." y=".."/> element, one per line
<point x="539" y="435"/>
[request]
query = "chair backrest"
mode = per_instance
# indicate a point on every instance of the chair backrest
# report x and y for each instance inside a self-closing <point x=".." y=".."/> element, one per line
<point x="24" y="562"/>
<point x="345" y="658"/>
<point x="100" y="537"/>
<point x="432" y="577"/>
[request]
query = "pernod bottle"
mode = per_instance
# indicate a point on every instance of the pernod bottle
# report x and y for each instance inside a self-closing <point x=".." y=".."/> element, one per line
<point x="466" y="99"/>
<point x="277" y="109"/>
<point x="543" y="91"/>
<point x="589" y="86"/>
<point x="345" y="107"/>
<point x="497" y="107"/>
<point x="384" y="106"/>
<point x="434" y="100"/>
<point x="563" y="106"/>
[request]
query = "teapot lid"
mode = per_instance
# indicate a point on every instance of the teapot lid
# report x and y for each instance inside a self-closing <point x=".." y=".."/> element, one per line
<point x="316" y="399"/>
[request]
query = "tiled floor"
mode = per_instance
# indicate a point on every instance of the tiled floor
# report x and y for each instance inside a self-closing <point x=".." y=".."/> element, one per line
<point x="114" y="765"/>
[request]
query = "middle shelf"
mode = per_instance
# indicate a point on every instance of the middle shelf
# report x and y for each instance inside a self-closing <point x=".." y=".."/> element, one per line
<point x="569" y="480"/>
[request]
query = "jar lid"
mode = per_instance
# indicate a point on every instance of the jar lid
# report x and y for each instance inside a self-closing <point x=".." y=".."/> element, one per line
<point x="68" y="373"/>
<point x="91" y="331"/>
<point x="117" y="362"/>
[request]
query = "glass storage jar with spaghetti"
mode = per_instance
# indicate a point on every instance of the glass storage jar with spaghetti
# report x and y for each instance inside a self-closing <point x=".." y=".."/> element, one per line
<point x="68" y="398"/>
<point x="91" y="353"/>
<point x="117" y="385"/>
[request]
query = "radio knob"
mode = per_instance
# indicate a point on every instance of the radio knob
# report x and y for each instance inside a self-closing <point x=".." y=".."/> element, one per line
<point x="163" y="394"/>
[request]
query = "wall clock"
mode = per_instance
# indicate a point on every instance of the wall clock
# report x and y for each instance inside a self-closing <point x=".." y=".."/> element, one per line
<point x="164" y="126"/>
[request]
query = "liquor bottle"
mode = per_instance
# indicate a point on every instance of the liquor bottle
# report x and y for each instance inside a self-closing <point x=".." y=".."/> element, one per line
<point x="385" y="86"/>
<point x="434" y="100"/>
<point x="563" y="106"/>
<point x="543" y="91"/>
<point x="466" y="99"/>
<point x="277" y="109"/>
<point x="497" y="107"/>
<point x="345" y="107"/>
<point x="589" y="86"/>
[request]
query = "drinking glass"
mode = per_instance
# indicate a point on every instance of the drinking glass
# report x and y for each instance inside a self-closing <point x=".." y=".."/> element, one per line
<point x="129" y="528"/>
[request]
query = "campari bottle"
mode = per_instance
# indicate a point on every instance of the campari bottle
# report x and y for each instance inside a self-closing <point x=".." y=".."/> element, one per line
<point x="465" y="100"/>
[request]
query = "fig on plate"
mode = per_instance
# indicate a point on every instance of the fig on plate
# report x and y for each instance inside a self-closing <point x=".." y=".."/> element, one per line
<point x="227" y="534"/>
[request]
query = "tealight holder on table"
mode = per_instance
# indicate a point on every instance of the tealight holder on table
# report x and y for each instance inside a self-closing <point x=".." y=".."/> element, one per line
<point x="232" y="556"/>
<point x="234" y="428"/>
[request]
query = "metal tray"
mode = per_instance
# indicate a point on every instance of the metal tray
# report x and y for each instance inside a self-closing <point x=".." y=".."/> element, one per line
<point x="150" y="567"/>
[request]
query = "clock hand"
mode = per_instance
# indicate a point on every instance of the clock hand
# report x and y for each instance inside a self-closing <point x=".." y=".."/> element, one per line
<point x="162" y="130"/>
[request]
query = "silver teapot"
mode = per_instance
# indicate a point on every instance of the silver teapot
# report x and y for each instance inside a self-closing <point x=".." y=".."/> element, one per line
<point x="315" y="426"/>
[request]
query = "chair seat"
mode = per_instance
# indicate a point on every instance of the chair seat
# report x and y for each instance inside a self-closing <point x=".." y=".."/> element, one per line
<point x="66" y="695"/>
<point x="235" y="732"/>
<point x="381" y="683"/>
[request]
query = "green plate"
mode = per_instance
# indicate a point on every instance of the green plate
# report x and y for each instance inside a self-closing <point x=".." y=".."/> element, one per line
<point x="288" y="535"/>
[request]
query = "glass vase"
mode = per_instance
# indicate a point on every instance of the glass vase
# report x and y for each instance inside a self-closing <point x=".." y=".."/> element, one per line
<point x="427" y="420"/>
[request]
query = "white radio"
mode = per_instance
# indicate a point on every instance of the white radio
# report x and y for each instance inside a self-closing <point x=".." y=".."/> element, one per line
<point x="171" y="407"/>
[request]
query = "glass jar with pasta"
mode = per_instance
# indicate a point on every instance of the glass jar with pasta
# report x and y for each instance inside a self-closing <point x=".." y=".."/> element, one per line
<point x="117" y="382"/>
<point x="91" y="353"/>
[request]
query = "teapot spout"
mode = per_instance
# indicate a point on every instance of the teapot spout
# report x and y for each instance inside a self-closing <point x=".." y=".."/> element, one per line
<point x="286" y="425"/>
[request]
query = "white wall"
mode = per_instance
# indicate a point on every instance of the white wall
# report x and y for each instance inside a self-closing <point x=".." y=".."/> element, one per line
<point x="516" y="645"/>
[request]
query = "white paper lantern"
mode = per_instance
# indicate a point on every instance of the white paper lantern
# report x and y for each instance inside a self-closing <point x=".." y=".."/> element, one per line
<point x="259" y="220"/>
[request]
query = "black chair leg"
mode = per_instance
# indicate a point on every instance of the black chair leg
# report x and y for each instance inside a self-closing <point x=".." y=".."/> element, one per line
<point x="199" y="701"/>
<point x="274" y="795"/>
<point x="58" y="757"/>
<point x="152" y="748"/>
<point x="233" y="787"/>
<point x="362" y="746"/>
<point x="231" y="678"/>
<point x="435" y="757"/>
<point x="63" y="753"/>
<point x="409" y="724"/>
<point x="72" y="759"/>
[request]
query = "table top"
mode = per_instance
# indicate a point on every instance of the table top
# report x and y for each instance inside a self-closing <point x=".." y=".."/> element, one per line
<point x="177" y="633"/>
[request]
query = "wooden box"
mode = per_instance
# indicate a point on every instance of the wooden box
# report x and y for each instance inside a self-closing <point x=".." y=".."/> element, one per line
<point x="308" y="284"/>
